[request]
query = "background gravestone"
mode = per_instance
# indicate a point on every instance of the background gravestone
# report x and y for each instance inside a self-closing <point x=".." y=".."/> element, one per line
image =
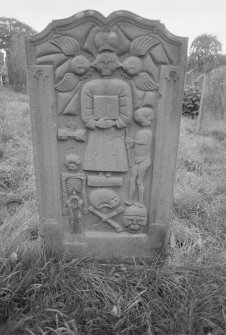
<point x="106" y="97"/>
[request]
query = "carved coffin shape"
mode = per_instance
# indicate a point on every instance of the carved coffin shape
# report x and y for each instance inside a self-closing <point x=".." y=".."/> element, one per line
<point x="105" y="96"/>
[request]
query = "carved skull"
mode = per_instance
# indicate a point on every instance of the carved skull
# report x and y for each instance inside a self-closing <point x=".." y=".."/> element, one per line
<point x="106" y="63"/>
<point x="104" y="199"/>
<point x="72" y="162"/>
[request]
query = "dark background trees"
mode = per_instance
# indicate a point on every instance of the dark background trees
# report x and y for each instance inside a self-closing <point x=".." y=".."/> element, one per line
<point x="12" y="34"/>
<point x="205" y="53"/>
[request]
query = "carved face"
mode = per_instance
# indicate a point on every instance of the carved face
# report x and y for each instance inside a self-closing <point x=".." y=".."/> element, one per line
<point x="106" y="63"/>
<point x="134" y="223"/>
<point x="80" y="65"/>
<point x="72" y="162"/>
<point x="132" y="65"/>
<point x="144" y="116"/>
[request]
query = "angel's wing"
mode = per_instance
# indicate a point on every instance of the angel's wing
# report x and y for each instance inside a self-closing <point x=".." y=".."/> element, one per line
<point x="67" y="44"/>
<point x="144" y="82"/>
<point x="141" y="45"/>
<point x="68" y="83"/>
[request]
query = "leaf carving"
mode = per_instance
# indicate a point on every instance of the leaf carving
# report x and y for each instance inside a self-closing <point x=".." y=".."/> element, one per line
<point x="144" y="82"/>
<point x="68" y="83"/>
<point x="141" y="45"/>
<point x="67" y="44"/>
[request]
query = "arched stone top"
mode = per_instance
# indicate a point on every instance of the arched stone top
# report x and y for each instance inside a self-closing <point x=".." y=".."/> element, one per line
<point x="62" y="25"/>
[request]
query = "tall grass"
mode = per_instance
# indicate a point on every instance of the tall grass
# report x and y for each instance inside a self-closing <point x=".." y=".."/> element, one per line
<point x="41" y="293"/>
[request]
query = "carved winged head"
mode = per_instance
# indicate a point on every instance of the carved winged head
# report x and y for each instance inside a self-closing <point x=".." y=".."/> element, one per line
<point x="106" y="63"/>
<point x="79" y="65"/>
<point x="132" y="65"/>
<point x="72" y="162"/>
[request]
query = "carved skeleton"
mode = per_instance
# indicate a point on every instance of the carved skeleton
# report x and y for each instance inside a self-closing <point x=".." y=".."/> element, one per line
<point x="74" y="199"/>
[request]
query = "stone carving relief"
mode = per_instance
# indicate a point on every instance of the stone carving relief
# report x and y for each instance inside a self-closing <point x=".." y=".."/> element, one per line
<point x="142" y="146"/>
<point x="105" y="204"/>
<point x="109" y="83"/>
<point x="74" y="199"/>
<point x="105" y="97"/>
<point x="72" y="161"/>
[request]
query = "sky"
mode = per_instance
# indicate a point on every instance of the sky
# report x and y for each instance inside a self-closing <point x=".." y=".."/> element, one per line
<point x="188" y="18"/>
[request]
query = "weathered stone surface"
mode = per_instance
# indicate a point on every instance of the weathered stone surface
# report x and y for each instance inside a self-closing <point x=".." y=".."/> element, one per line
<point x="105" y="96"/>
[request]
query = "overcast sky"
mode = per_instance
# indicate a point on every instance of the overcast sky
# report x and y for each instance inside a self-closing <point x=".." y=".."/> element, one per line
<point x="189" y="18"/>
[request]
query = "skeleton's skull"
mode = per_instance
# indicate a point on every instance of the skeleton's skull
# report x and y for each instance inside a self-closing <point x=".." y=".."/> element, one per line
<point x="104" y="199"/>
<point x="72" y="162"/>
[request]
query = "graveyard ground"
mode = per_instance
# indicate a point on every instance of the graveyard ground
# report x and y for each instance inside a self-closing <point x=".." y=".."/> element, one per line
<point x="42" y="295"/>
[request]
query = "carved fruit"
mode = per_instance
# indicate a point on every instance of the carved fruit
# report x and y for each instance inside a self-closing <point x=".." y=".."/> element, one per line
<point x="132" y="65"/>
<point x="80" y="65"/>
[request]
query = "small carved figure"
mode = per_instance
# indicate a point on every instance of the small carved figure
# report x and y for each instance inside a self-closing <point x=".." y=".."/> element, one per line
<point x="72" y="162"/>
<point x="76" y="204"/>
<point x="142" y="145"/>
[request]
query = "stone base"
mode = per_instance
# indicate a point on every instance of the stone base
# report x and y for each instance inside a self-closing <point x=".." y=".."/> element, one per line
<point x="105" y="245"/>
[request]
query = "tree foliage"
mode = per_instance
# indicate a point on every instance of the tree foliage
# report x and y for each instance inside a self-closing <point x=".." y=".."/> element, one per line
<point x="10" y="27"/>
<point x="204" y="52"/>
<point x="191" y="101"/>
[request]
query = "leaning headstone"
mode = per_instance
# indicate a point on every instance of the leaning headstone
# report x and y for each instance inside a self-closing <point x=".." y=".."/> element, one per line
<point x="1" y="66"/>
<point x="106" y="97"/>
<point x="213" y="98"/>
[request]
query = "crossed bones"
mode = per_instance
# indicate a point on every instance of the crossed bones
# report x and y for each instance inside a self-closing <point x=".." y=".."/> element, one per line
<point x="107" y="217"/>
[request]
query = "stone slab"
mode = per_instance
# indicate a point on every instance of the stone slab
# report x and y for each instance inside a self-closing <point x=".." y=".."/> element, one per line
<point x="105" y="96"/>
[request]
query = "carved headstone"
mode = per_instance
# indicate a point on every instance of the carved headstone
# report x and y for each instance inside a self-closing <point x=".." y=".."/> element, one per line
<point x="105" y="96"/>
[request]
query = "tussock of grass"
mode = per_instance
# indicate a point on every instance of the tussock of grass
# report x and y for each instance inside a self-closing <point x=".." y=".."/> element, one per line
<point x="43" y="294"/>
<point x="55" y="297"/>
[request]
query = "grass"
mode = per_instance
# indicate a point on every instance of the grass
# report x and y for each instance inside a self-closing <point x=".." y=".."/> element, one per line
<point x="45" y="294"/>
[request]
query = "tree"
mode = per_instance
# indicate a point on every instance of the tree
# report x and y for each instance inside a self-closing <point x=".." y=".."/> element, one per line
<point x="204" y="52"/>
<point x="12" y="33"/>
<point x="10" y="27"/>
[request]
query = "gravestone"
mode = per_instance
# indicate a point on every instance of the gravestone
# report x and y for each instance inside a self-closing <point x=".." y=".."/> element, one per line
<point x="105" y="97"/>
<point x="1" y="67"/>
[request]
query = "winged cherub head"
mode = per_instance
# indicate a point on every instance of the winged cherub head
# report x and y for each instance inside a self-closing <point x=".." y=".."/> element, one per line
<point x="132" y="65"/>
<point x="79" y="65"/>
